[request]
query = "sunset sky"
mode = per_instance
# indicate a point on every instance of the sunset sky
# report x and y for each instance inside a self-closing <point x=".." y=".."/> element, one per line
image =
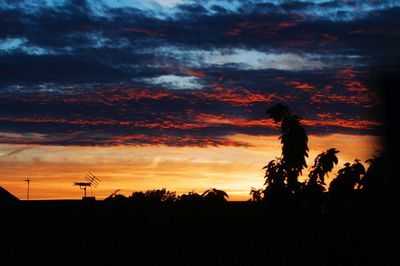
<point x="172" y="93"/>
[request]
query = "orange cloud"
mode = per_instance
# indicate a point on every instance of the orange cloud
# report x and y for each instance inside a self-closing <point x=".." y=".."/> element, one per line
<point x="356" y="86"/>
<point x="173" y="123"/>
<point x="195" y="73"/>
<point x="346" y="72"/>
<point x="300" y="85"/>
<point x="235" y="121"/>
<point x="354" y="124"/>
<point x="365" y="100"/>
<point x="236" y="97"/>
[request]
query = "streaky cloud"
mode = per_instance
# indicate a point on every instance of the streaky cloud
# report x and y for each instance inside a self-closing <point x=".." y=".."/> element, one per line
<point x="176" y="82"/>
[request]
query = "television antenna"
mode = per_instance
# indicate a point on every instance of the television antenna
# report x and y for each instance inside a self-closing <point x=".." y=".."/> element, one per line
<point x="91" y="181"/>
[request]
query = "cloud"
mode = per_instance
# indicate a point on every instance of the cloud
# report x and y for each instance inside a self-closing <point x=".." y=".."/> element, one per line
<point x="169" y="3"/>
<point x="251" y="59"/>
<point x="245" y="59"/>
<point x="12" y="45"/>
<point x="112" y="72"/>
<point x="137" y="116"/>
<point x="176" y="82"/>
<point x="16" y="151"/>
<point x="333" y="10"/>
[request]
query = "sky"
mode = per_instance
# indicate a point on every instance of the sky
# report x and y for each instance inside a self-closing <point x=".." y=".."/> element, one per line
<point x="173" y="93"/>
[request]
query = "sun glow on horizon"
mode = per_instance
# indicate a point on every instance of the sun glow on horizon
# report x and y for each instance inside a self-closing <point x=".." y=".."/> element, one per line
<point x="53" y="169"/>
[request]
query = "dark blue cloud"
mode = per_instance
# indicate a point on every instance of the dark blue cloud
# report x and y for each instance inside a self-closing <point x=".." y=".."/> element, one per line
<point x="90" y="72"/>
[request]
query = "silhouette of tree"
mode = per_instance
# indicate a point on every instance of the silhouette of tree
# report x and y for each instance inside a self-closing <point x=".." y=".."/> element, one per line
<point x="160" y="195"/>
<point x="215" y="195"/>
<point x="323" y="164"/>
<point x="373" y="180"/>
<point x="191" y="197"/>
<point x="373" y="185"/>
<point x="115" y="197"/>
<point x="137" y="196"/>
<point x="315" y="185"/>
<point x="275" y="176"/>
<point x="154" y="196"/>
<point x="342" y="187"/>
<point x="294" y="143"/>
<point x="256" y="194"/>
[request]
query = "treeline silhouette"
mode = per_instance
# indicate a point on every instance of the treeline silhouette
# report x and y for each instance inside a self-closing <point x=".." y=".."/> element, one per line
<point x="286" y="222"/>
<point x="154" y="196"/>
<point x="282" y="188"/>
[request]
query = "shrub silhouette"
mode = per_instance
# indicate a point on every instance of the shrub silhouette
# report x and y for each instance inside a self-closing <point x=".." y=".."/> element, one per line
<point x="256" y="194"/>
<point x="113" y="195"/>
<point x="215" y="195"/>
<point x="190" y="198"/>
<point x="275" y="176"/>
<point x="212" y="195"/>
<point x="315" y="185"/>
<point x="341" y="189"/>
<point x="154" y="196"/>
<point x="373" y="180"/>
<point x="323" y="164"/>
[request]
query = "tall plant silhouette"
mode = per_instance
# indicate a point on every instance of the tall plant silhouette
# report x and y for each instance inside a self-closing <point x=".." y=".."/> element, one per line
<point x="294" y="143"/>
<point x="323" y="164"/>
<point x="315" y="185"/>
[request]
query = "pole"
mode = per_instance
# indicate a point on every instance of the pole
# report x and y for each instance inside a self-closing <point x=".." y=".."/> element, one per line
<point x="27" y="194"/>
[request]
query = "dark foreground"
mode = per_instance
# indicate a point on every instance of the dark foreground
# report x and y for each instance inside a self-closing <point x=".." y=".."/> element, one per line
<point x="234" y="233"/>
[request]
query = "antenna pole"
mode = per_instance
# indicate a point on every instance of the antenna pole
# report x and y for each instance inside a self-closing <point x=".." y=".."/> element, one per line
<point x="27" y="194"/>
